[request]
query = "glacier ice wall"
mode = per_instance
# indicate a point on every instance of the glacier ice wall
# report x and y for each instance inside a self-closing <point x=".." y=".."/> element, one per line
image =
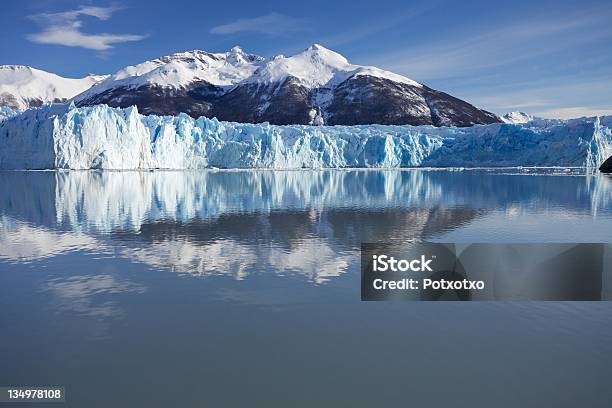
<point x="584" y="142"/>
<point x="60" y="136"/>
<point x="6" y="112"/>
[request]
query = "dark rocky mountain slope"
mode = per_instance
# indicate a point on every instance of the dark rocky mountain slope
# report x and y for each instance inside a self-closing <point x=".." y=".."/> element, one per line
<point x="317" y="86"/>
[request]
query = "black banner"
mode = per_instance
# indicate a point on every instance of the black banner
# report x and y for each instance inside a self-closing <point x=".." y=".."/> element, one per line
<point x="432" y="271"/>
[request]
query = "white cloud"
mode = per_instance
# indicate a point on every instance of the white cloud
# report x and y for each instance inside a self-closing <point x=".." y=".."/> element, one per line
<point x="488" y="50"/>
<point x="64" y="28"/>
<point x="362" y="31"/>
<point x="556" y="97"/>
<point x="539" y="65"/>
<point x="271" y="24"/>
<point x="575" y="112"/>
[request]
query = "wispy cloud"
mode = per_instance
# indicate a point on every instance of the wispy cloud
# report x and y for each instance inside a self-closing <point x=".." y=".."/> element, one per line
<point x="466" y="54"/>
<point x="376" y="25"/>
<point x="270" y="24"/>
<point x="64" y="28"/>
<point x="560" y="97"/>
<point x="575" y="112"/>
<point x="548" y="65"/>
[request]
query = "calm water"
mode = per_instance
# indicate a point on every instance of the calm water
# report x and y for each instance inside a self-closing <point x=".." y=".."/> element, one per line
<point x="240" y="289"/>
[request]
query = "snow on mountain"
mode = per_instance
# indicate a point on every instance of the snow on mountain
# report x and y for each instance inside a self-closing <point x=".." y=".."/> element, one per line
<point x="22" y="87"/>
<point x="315" y="66"/>
<point x="100" y="137"/>
<point x="318" y="66"/>
<point x="516" y="117"/>
<point x="183" y="68"/>
<point x="316" y="86"/>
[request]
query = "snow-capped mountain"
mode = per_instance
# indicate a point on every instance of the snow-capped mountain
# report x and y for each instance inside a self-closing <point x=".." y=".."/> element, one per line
<point x="23" y="87"/>
<point x="319" y="67"/>
<point x="316" y="86"/>
<point x="516" y="117"/>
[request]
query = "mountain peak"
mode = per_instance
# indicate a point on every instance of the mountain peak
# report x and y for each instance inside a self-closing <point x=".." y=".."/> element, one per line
<point x="22" y="86"/>
<point x="319" y="66"/>
<point x="313" y="67"/>
<point x="325" y="55"/>
<point x="516" y="117"/>
<point x="316" y="47"/>
<point x="317" y="85"/>
<point x="15" y="67"/>
<point x="236" y="56"/>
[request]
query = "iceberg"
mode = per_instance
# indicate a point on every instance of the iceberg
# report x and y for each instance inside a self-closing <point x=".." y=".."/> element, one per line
<point x="62" y="136"/>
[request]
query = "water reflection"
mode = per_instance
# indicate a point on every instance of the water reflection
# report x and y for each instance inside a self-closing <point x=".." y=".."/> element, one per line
<point x="104" y="201"/>
<point x="96" y="277"/>
<point x="80" y="294"/>
<point x="242" y="223"/>
<point x="21" y="242"/>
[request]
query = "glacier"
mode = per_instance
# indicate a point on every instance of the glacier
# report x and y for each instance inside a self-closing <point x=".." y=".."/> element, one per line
<point x="62" y="136"/>
<point x="6" y="112"/>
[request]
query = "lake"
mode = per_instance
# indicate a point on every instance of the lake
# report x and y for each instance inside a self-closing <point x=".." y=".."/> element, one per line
<point x="242" y="288"/>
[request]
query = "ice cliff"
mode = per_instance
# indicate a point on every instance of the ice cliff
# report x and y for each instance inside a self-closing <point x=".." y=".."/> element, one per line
<point x="60" y="136"/>
<point x="6" y="112"/>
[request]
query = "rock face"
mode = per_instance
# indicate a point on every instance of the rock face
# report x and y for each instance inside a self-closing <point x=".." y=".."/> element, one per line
<point x="606" y="167"/>
<point x="315" y="87"/>
<point x="365" y="100"/>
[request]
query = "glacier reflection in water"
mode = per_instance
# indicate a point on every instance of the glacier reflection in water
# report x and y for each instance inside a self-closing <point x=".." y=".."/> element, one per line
<point x="86" y="286"/>
<point x="309" y="222"/>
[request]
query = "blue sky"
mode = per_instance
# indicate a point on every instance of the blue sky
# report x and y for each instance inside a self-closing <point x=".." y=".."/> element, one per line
<point x="548" y="58"/>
